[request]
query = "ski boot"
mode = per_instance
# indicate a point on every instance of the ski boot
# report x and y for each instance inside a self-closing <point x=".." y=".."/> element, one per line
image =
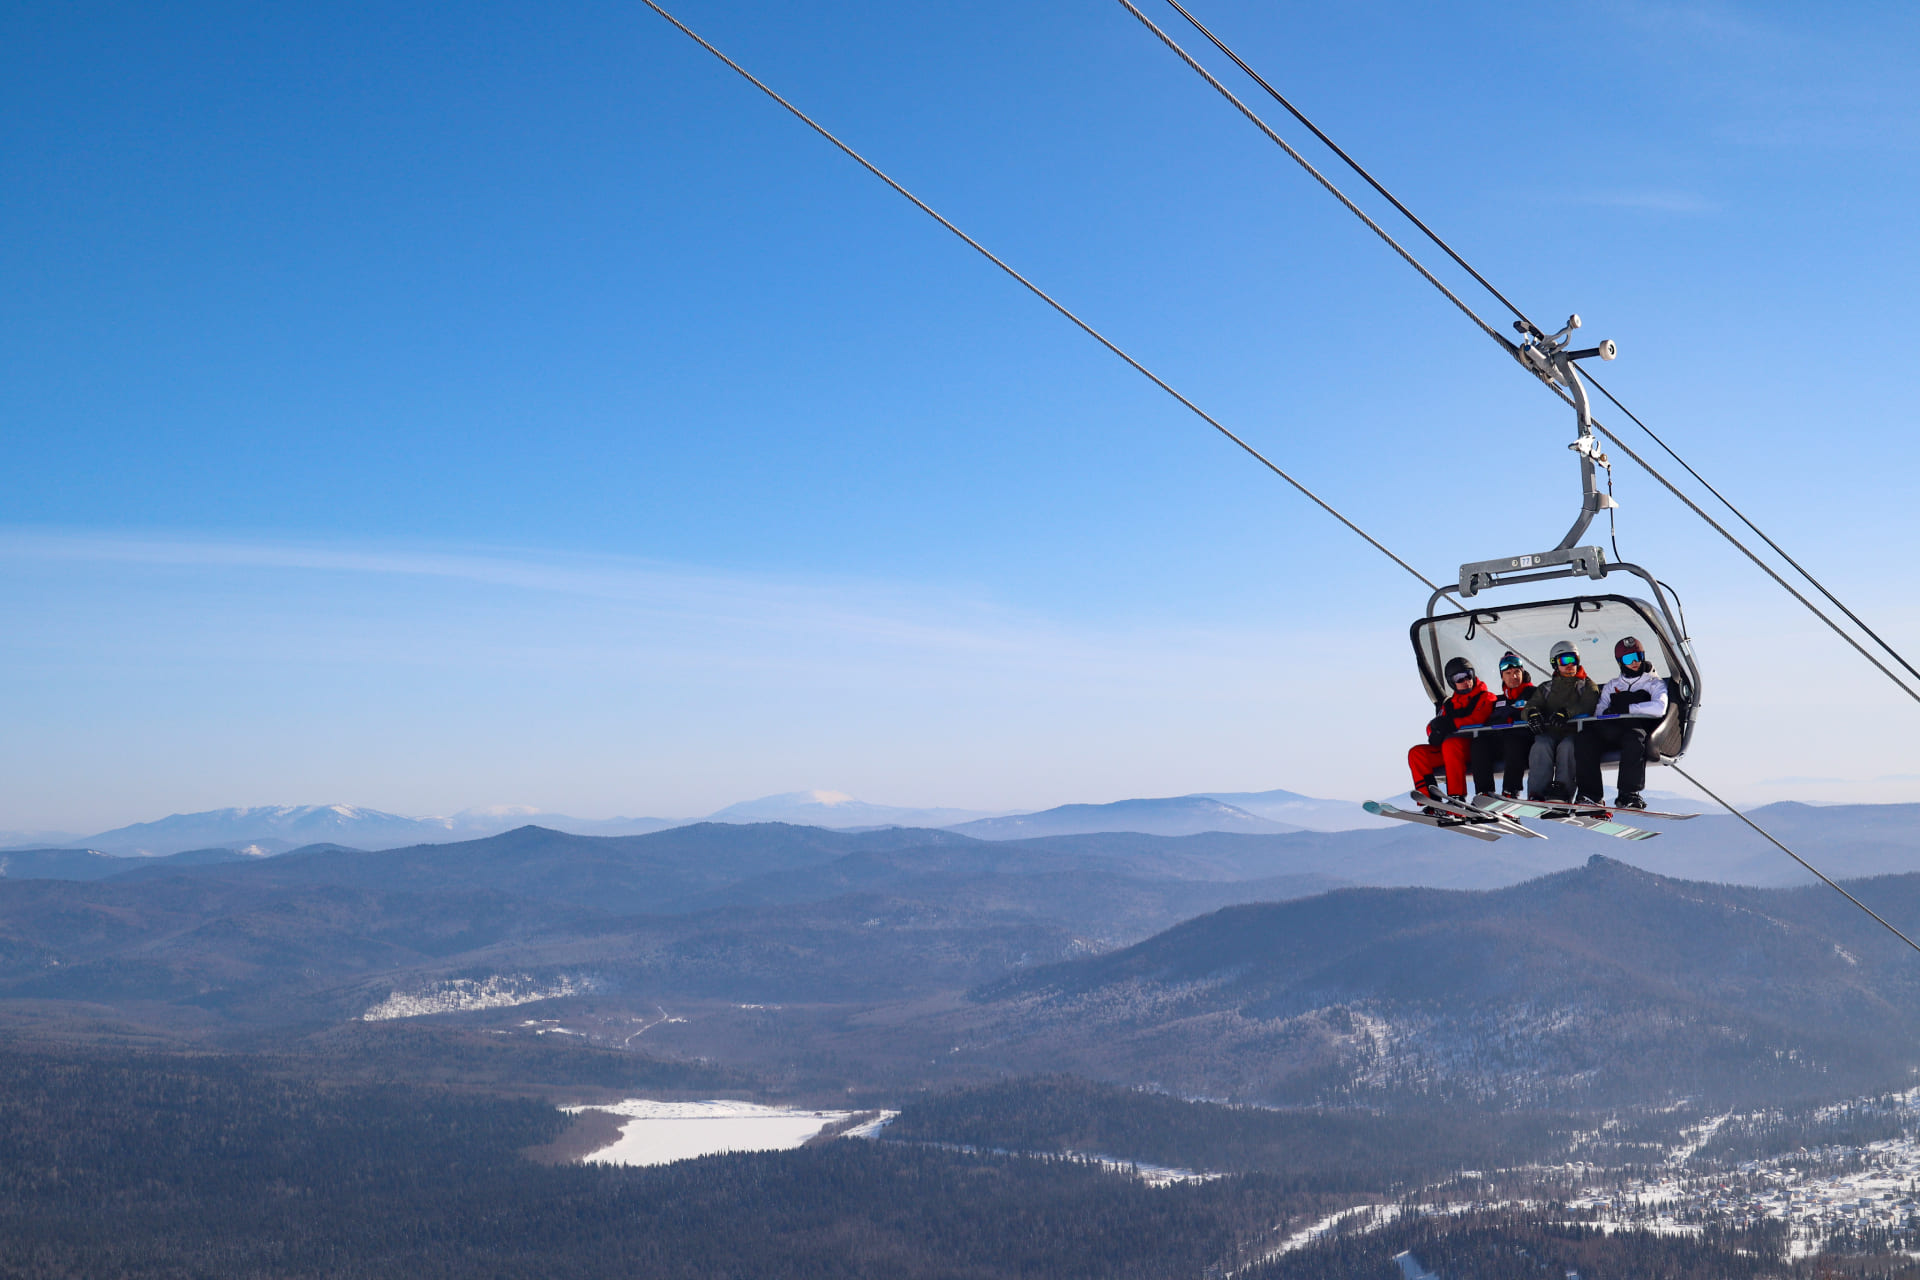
<point x="1630" y="801"/>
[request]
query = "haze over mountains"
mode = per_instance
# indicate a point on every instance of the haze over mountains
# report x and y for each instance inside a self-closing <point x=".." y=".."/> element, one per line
<point x="274" y="829"/>
<point x="837" y="810"/>
<point x="1172" y="816"/>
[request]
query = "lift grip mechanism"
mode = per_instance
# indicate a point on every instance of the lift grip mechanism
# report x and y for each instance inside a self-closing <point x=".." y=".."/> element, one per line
<point x="1571" y="562"/>
<point x="1548" y="359"/>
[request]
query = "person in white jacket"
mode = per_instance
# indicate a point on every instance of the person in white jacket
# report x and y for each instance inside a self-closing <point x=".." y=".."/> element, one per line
<point x="1638" y="697"/>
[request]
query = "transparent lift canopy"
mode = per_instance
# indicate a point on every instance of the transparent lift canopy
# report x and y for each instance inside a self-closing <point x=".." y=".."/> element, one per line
<point x="1593" y="623"/>
<point x="1482" y="632"/>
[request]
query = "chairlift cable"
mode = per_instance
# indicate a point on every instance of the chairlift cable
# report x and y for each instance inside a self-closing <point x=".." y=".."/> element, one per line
<point x="1264" y="128"/>
<point x="1086" y="328"/>
<point x="1488" y="285"/>
<point x="1352" y="164"/>
<point x="1748" y="552"/>
<point x="1202" y="414"/>
<point x="1326" y="182"/>
<point x="1796" y="858"/>
<point x="1725" y="501"/>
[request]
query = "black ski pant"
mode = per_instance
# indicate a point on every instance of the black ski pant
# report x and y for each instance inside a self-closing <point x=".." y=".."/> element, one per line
<point x="1628" y="737"/>
<point x="1508" y="747"/>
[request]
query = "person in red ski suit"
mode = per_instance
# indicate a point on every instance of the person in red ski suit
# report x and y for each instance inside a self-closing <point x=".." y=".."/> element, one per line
<point x="1446" y="747"/>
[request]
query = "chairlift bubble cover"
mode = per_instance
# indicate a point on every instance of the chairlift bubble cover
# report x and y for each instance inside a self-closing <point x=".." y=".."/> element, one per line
<point x="1531" y="629"/>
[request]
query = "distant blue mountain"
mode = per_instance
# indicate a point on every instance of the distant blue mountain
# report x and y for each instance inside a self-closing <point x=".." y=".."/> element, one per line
<point x="836" y="810"/>
<point x="274" y="829"/>
<point x="37" y="839"/>
<point x="1169" y="816"/>
<point x="92" y="865"/>
<point x="270" y="829"/>
<point x="1311" y="812"/>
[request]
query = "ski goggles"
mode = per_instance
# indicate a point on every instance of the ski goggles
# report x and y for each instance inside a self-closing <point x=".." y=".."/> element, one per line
<point x="1631" y="657"/>
<point x="1461" y="678"/>
<point x="1509" y="664"/>
<point x="1568" y="660"/>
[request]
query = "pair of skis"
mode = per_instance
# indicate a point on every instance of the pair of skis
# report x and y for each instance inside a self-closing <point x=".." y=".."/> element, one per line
<point x="1488" y="818"/>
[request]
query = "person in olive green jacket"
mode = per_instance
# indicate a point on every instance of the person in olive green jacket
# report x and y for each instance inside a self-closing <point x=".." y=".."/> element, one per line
<point x="1551" y="767"/>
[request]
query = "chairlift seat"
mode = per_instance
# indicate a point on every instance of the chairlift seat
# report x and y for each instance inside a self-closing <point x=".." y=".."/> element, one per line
<point x="1593" y="623"/>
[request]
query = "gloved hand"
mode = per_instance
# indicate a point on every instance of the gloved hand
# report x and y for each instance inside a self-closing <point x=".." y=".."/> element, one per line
<point x="1438" y="729"/>
<point x="1537" y="721"/>
<point x="1622" y="701"/>
<point x="1558" y="722"/>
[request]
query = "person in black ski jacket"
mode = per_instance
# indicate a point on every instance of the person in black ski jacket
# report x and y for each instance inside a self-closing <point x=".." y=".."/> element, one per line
<point x="1508" y="747"/>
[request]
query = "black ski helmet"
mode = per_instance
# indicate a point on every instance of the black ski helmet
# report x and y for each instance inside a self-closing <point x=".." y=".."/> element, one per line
<point x="1457" y="667"/>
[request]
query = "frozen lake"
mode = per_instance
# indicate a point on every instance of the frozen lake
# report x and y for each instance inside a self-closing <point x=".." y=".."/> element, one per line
<point x="654" y="1133"/>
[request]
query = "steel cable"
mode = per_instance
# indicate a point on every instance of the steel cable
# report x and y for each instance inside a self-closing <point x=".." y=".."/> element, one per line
<point x="1746" y="551"/>
<point x="1796" y="858"/>
<point x="1352" y="164"/>
<point x="1264" y="128"/>
<point x="1382" y="548"/>
<point x="1047" y="298"/>
<point x="1324" y="181"/>
<point x="1434" y="236"/>
<point x="1448" y="249"/>
<point x="1728" y="504"/>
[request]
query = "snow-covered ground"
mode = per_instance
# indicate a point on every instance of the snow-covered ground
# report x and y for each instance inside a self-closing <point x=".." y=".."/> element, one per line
<point x="657" y="1133"/>
<point x="1157" y="1175"/>
<point x="1818" y="1193"/>
<point x="491" y="993"/>
<point x="1876" y="1188"/>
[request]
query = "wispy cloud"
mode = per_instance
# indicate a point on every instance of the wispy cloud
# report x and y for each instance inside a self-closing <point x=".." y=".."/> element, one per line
<point x="1652" y="200"/>
<point x="842" y="607"/>
<point x="1701" y="22"/>
<point x="559" y="609"/>
<point x="214" y="668"/>
<point x="1825" y="78"/>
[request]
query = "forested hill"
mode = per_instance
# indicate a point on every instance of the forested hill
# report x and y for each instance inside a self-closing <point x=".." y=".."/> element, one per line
<point x="1213" y="965"/>
<point x="1602" y="982"/>
<point x="115" y="1164"/>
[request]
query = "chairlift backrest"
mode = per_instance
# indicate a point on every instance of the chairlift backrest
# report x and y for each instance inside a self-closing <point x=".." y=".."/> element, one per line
<point x="1531" y="629"/>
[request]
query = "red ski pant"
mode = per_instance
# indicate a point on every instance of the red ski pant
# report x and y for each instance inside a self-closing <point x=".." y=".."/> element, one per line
<point x="1452" y="753"/>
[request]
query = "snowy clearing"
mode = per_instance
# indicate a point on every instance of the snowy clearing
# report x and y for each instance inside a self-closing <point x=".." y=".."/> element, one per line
<point x="491" y="993"/>
<point x="657" y="1133"/>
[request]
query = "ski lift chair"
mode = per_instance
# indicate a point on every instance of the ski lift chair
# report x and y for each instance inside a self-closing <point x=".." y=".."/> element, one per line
<point x="1593" y="622"/>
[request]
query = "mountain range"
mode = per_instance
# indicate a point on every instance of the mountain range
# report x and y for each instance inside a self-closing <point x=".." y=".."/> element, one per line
<point x="1602" y="984"/>
<point x="275" y="829"/>
<point x="1168" y="816"/>
<point x="1274" y="968"/>
<point x="836" y="809"/>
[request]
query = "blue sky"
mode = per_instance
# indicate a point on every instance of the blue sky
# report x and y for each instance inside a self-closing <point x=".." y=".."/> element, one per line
<point x="425" y="409"/>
